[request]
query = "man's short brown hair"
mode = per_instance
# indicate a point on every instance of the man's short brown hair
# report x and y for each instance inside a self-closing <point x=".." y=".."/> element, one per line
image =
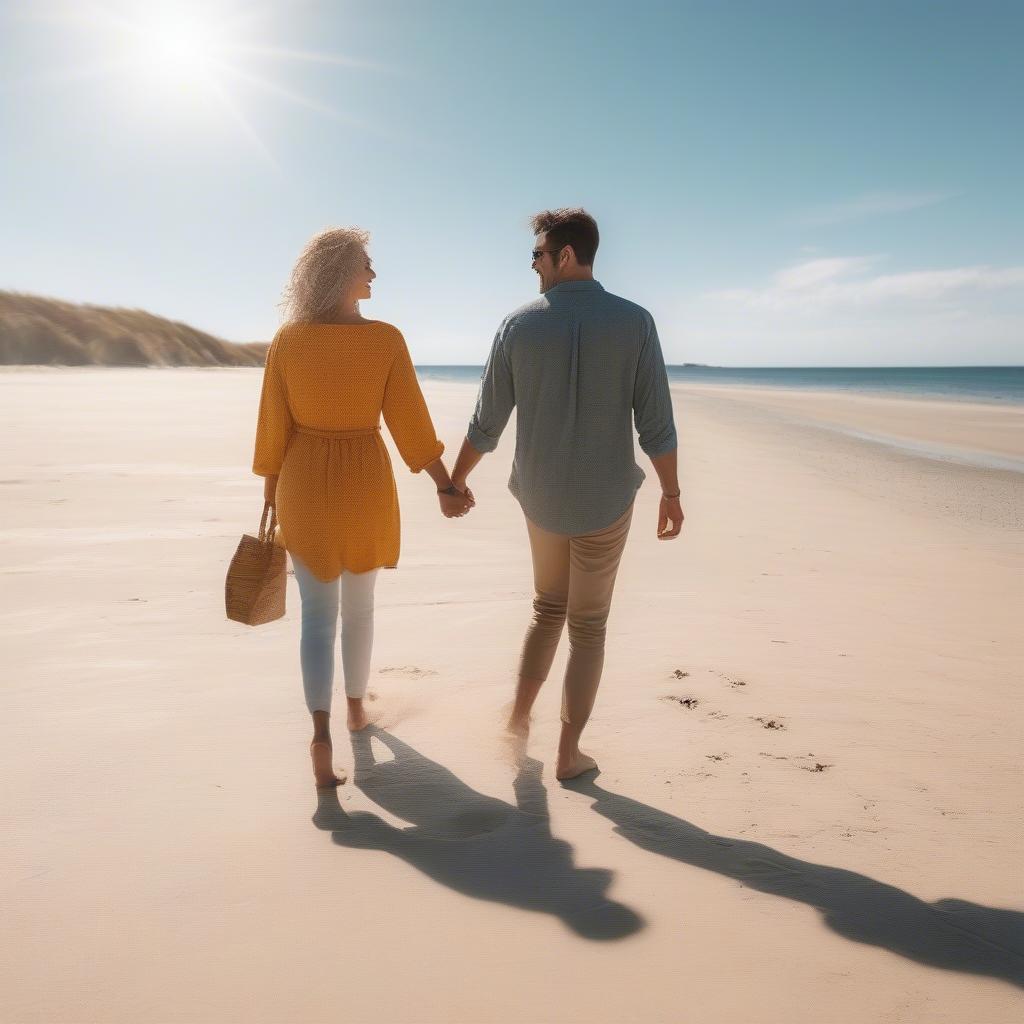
<point x="573" y="227"/>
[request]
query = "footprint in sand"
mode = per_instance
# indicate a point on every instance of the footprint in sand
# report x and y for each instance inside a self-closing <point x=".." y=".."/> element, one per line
<point x="686" y="702"/>
<point x="816" y="767"/>
<point x="731" y="680"/>
<point x="411" y="671"/>
<point x="769" y="723"/>
<point x="690" y="703"/>
<point x="716" y="757"/>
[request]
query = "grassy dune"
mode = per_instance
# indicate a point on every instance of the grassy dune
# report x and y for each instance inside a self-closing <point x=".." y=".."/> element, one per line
<point x="38" y="331"/>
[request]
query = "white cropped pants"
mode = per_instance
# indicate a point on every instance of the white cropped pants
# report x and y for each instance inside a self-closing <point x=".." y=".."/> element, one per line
<point x="320" y="606"/>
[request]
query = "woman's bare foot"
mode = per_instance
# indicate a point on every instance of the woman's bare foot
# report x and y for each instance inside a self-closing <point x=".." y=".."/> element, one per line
<point x="520" y="707"/>
<point x="358" y="719"/>
<point x="575" y="764"/>
<point x="323" y="767"/>
<point x="518" y="725"/>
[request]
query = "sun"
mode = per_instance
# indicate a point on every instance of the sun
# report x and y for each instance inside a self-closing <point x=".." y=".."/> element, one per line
<point x="181" y="49"/>
<point x="182" y="45"/>
<point x="192" y="61"/>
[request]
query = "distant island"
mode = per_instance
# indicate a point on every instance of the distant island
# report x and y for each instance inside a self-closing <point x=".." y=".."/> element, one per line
<point x="38" y="331"/>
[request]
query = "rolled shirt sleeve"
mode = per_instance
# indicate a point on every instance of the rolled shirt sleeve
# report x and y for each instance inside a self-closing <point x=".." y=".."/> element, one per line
<point x="406" y="414"/>
<point x="496" y="398"/>
<point x="274" y="422"/>
<point x="652" y="400"/>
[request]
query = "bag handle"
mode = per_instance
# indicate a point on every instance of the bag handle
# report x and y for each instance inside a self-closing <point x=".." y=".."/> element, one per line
<point x="272" y="510"/>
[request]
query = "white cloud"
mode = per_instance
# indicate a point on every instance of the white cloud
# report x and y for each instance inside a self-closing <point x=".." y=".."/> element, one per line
<point x="871" y="204"/>
<point x="816" y="285"/>
<point x="811" y="273"/>
<point x="928" y="339"/>
<point x="844" y="311"/>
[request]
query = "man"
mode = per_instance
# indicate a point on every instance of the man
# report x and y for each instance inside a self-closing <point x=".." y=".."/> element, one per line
<point x="578" y="363"/>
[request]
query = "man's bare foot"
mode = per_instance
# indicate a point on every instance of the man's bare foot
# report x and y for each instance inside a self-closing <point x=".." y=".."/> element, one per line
<point x="358" y="719"/>
<point x="323" y="767"/>
<point x="575" y="765"/>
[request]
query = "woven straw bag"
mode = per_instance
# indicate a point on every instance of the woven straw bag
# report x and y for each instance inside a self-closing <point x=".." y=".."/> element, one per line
<point x="255" y="586"/>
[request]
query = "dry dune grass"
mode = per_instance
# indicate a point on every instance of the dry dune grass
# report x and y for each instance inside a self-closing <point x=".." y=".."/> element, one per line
<point x="39" y="331"/>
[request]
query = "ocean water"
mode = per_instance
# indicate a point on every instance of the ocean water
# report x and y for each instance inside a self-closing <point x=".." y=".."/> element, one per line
<point x="1000" y="384"/>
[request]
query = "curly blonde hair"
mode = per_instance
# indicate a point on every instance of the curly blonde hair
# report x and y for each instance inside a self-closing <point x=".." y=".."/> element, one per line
<point x="322" y="274"/>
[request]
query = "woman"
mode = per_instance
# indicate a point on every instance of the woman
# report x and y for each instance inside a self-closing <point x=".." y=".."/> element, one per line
<point x="330" y="374"/>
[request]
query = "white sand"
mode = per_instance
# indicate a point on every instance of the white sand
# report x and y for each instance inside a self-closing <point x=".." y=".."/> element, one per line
<point x="160" y="863"/>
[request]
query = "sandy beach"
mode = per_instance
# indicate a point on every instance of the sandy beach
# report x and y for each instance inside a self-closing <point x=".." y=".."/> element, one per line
<point x="809" y="732"/>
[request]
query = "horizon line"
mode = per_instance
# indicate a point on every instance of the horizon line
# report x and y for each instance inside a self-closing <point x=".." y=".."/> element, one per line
<point x="793" y="366"/>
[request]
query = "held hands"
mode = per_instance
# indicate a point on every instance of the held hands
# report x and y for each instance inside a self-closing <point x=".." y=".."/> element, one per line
<point x="455" y="502"/>
<point x="670" y="511"/>
<point x="454" y="497"/>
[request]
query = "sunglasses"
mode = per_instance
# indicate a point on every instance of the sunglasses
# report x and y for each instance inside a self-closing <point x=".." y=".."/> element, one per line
<point x="537" y="253"/>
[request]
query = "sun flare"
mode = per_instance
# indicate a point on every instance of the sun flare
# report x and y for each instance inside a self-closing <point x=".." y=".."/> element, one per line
<point x="179" y="49"/>
<point x="192" y="61"/>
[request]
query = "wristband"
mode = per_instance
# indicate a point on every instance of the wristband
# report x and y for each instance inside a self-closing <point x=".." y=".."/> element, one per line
<point x="676" y="495"/>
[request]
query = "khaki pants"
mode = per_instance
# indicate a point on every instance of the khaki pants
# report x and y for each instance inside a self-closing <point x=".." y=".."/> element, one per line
<point x="573" y="577"/>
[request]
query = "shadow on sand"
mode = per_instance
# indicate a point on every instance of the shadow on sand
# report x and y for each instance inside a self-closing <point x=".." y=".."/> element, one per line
<point x="474" y="844"/>
<point x="951" y="934"/>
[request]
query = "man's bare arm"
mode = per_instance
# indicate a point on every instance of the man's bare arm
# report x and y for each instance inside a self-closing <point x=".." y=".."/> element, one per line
<point x="670" y="509"/>
<point x="468" y="458"/>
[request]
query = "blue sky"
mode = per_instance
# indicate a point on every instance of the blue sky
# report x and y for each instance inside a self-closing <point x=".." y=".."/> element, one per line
<point x="780" y="183"/>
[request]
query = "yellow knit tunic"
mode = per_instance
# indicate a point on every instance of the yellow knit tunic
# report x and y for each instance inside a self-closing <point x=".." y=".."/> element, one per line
<point x="324" y="389"/>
